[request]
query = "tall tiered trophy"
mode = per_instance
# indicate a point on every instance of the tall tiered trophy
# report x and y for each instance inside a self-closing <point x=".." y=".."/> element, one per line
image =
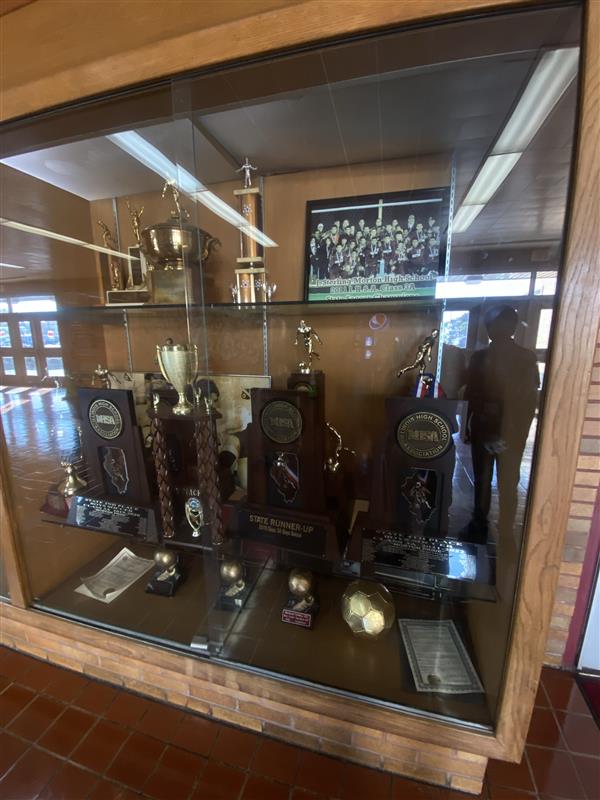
<point x="251" y="283"/>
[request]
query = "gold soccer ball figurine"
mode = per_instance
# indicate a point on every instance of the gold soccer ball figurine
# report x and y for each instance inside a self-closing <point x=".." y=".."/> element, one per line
<point x="368" y="608"/>
<point x="165" y="560"/>
<point x="300" y="583"/>
<point x="231" y="571"/>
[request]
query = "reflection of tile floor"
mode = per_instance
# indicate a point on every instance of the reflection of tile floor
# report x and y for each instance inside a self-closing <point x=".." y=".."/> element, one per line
<point x="65" y="737"/>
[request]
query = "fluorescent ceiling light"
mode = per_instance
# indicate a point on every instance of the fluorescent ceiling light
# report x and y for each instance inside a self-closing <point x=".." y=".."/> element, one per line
<point x="10" y="266"/>
<point x="552" y="76"/>
<point x="490" y="177"/>
<point x="144" y="152"/>
<point x="21" y="226"/>
<point x="465" y="216"/>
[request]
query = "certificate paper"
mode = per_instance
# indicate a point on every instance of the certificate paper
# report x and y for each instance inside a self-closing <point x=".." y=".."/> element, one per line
<point x="116" y="576"/>
<point x="437" y="657"/>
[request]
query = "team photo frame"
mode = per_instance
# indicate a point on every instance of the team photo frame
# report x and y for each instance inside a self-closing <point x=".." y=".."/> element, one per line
<point x="376" y="247"/>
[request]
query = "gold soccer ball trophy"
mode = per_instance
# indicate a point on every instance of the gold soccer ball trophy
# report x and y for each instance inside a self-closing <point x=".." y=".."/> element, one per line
<point x="368" y="609"/>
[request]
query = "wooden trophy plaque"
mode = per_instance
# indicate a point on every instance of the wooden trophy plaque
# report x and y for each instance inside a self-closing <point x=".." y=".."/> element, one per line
<point x="118" y="498"/>
<point x="286" y="504"/>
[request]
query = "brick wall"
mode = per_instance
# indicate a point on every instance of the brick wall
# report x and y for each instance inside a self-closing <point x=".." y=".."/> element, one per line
<point x="583" y="498"/>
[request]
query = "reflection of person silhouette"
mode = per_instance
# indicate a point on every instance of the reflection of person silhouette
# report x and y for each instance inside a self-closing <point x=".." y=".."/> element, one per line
<point x="502" y="384"/>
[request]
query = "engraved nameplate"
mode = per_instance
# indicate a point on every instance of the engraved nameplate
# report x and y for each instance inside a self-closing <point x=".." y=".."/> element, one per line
<point x="110" y="517"/>
<point x="283" y="531"/>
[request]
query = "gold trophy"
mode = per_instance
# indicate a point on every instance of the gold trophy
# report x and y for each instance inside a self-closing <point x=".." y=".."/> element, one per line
<point x="179" y="365"/>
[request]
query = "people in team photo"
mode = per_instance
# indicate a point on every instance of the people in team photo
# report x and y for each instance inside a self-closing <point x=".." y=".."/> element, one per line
<point x="368" y="247"/>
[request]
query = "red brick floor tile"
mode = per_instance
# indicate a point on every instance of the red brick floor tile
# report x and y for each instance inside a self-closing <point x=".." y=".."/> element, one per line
<point x="160" y="721"/>
<point x="360" y="782"/>
<point x="405" y="789"/>
<point x="175" y="775"/>
<point x="320" y="774"/>
<point x="276" y="760"/>
<point x="302" y="794"/>
<point x="101" y="745"/>
<point x="506" y="793"/>
<point x="196" y="734"/>
<point x="543" y="729"/>
<point x="588" y="770"/>
<point x="259" y="788"/>
<point x="34" y="720"/>
<point x="234" y="747"/>
<point x="12" y="701"/>
<point x="541" y="698"/>
<point x="219" y="782"/>
<point x="4" y="682"/>
<point x="515" y="776"/>
<point x="63" y="736"/>
<point x="11" y="750"/>
<point x="96" y="697"/>
<point x="136" y="760"/>
<point x="67" y="685"/>
<point x="38" y="675"/>
<point x="554" y="773"/>
<point x="127" y="709"/>
<point x="563" y="692"/>
<point x="70" y="783"/>
<point x="14" y="665"/>
<point x="105" y="790"/>
<point x="581" y="734"/>
<point x="29" y="776"/>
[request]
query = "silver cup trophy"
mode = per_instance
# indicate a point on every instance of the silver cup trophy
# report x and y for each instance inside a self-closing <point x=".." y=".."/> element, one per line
<point x="179" y="365"/>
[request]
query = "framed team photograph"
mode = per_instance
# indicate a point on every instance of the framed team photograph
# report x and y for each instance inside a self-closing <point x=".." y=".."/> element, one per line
<point x="376" y="247"/>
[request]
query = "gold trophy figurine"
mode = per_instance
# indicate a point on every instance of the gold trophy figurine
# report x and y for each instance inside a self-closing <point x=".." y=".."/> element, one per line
<point x="231" y="572"/>
<point x="103" y="377"/>
<point x="116" y="276"/>
<point x="309" y="336"/>
<point x="135" y="217"/>
<point x="423" y="356"/>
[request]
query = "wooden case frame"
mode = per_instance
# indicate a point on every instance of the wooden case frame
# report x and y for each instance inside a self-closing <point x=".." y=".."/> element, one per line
<point x="268" y="25"/>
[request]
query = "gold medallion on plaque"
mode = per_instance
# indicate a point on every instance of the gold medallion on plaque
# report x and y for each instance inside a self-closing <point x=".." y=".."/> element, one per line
<point x="424" y="434"/>
<point x="281" y="422"/>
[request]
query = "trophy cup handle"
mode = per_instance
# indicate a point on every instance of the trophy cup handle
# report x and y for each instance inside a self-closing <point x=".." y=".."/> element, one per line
<point x="160" y="363"/>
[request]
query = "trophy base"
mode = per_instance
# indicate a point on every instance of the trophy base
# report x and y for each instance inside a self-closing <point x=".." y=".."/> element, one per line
<point x="164" y="586"/>
<point x="127" y="297"/>
<point x="302" y="618"/>
<point x="225" y="602"/>
<point x="56" y="504"/>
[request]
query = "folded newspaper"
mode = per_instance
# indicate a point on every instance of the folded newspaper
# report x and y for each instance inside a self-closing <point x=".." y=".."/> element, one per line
<point x="115" y="577"/>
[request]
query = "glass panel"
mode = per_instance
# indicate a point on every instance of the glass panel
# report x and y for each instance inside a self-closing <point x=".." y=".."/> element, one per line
<point x="348" y="257"/>
<point x="54" y="366"/>
<point x="8" y="365"/>
<point x="3" y="305"/>
<point x="50" y="334"/>
<point x="25" y="333"/>
<point x="30" y="366"/>
<point x="4" y="335"/>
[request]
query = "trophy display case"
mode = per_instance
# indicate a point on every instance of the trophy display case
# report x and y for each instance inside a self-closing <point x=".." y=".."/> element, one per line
<point x="293" y="428"/>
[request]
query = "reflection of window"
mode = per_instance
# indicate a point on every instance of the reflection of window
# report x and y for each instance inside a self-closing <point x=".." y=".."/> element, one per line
<point x="30" y="366"/>
<point x="24" y="305"/>
<point x="455" y="327"/>
<point x="545" y="283"/>
<point x="55" y="366"/>
<point x="542" y="369"/>
<point x="50" y="335"/>
<point x="543" y="331"/>
<point x="4" y="335"/>
<point x="502" y="284"/>
<point x="25" y="333"/>
<point x="3" y="306"/>
<point x="8" y="365"/>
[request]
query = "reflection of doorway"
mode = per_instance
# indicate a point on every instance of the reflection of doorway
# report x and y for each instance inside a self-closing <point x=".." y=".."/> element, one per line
<point x="30" y="343"/>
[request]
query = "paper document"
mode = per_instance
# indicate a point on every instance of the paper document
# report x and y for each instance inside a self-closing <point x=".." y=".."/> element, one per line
<point x="437" y="657"/>
<point x="115" y="577"/>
